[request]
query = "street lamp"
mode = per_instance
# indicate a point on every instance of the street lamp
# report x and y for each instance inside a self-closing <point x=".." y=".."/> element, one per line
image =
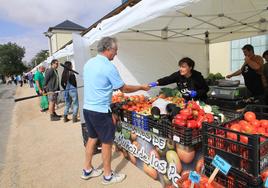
<point x="49" y="35"/>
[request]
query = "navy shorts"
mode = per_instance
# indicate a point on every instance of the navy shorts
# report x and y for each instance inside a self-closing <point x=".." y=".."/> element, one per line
<point x="100" y="125"/>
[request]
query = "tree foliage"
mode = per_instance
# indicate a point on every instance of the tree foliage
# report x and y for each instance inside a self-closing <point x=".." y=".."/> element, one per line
<point x="11" y="56"/>
<point x="39" y="58"/>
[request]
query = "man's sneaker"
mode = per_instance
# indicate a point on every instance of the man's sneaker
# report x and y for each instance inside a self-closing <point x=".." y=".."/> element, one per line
<point x="94" y="173"/>
<point x="115" y="178"/>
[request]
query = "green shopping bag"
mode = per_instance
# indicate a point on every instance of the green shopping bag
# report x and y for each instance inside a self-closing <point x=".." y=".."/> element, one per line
<point x="44" y="102"/>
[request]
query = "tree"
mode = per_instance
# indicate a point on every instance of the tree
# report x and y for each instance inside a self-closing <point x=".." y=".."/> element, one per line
<point x="11" y="56"/>
<point x="39" y="58"/>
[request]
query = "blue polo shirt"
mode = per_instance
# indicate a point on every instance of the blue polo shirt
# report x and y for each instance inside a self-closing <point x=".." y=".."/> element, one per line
<point x="100" y="79"/>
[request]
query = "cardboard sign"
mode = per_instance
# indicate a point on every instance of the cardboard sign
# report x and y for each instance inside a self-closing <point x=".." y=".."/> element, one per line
<point x="221" y="164"/>
<point x="194" y="177"/>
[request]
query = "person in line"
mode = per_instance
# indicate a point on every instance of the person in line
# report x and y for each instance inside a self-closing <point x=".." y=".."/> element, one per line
<point x="68" y="83"/>
<point x="251" y="70"/>
<point x="39" y="85"/>
<point x="52" y="85"/>
<point x="190" y="82"/>
<point x="265" y="74"/>
<point x="100" y="79"/>
<point x="30" y="79"/>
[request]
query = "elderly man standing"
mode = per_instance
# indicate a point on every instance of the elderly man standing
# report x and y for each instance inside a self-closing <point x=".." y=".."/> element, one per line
<point x="52" y="85"/>
<point x="100" y="79"/>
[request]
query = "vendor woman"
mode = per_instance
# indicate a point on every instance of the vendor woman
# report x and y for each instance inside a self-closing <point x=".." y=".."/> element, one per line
<point x="190" y="82"/>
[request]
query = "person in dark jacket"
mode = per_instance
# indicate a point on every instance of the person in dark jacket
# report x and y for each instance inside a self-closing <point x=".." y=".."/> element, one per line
<point x="52" y="85"/>
<point x="251" y="70"/>
<point x="68" y="82"/>
<point x="190" y="82"/>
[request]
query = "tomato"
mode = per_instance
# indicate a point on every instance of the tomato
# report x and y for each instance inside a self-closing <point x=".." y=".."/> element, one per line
<point x="181" y="117"/>
<point x="235" y="127"/>
<point x="191" y="124"/>
<point x="264" y="174"/>
<point x="203" y="179"/>
<point x="187" y="112"/>
<point x="261" y="130"/>
<point x="193" y="105"/>
<point x="249" y="116"/>
<point x="244" y="139"/>
<point x="242" y="122"/>
<point x="231" y="135"/>
<point x="264" y="123"/>
<point x="199" y="121"/>
<point x="195" y="113"/>
<point x="201" y="112"/>
<point x="186" y="184"/>
<point x="180" y="122"/>
<point x="247" y="128"/>
<point x="209" y="118"/>
<point x="255" y="123"/>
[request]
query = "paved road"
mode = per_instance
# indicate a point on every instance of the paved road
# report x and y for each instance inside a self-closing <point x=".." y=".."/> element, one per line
<point x="6" y="106"/>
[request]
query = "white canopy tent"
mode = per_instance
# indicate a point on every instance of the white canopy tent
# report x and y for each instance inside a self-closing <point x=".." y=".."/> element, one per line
<point x="153" y="35"/>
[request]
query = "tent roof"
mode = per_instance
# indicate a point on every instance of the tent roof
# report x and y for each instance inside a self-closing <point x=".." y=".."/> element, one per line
<point x="206" y="21"/>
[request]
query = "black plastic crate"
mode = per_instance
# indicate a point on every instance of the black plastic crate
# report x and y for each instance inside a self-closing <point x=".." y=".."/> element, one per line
<point x="230" y="114"/>
<point x="126" y="116"/>
<point x="187" y="136"/>
<point x="249" y="156"/>
<point x="161" y="127"/>
<point x="234" y="178"/>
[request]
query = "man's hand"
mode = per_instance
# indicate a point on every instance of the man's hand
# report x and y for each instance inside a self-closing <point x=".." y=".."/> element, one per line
<point x="41" y="91"/>
<point x="145" y="87"/>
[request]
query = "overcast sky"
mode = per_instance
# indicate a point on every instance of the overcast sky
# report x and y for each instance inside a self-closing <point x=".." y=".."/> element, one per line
<point x="25" y="21"/>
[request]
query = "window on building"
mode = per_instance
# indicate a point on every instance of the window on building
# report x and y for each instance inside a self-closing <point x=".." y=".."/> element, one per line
<point x="260" y="44"/>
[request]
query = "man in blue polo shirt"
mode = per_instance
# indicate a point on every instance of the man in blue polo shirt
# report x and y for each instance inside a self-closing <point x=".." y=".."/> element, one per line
<point x="100" y="79"/>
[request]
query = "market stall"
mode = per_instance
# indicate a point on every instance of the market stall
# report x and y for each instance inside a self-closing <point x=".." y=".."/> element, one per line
<point x="228" y="150"/>
<point x="152" y="36"/>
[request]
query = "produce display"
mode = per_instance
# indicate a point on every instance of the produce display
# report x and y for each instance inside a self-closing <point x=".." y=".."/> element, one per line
<point x="243" y="143"/>
<point x="160" y="142"/>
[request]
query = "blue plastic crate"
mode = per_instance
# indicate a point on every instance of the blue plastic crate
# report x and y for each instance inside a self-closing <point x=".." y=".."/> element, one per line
<point x="140" y="121"/>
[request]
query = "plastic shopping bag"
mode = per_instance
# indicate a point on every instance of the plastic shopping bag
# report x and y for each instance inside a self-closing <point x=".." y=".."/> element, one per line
<point x="44" y="102"/>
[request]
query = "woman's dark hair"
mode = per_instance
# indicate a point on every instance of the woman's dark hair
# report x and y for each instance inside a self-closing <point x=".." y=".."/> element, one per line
<point x="265" y="53"/>
<point x="188" y="61"/>
<point x="66" y="73"/>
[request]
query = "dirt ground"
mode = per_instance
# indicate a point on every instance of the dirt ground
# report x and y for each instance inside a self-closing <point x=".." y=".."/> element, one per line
<point x="40" y="153"/>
